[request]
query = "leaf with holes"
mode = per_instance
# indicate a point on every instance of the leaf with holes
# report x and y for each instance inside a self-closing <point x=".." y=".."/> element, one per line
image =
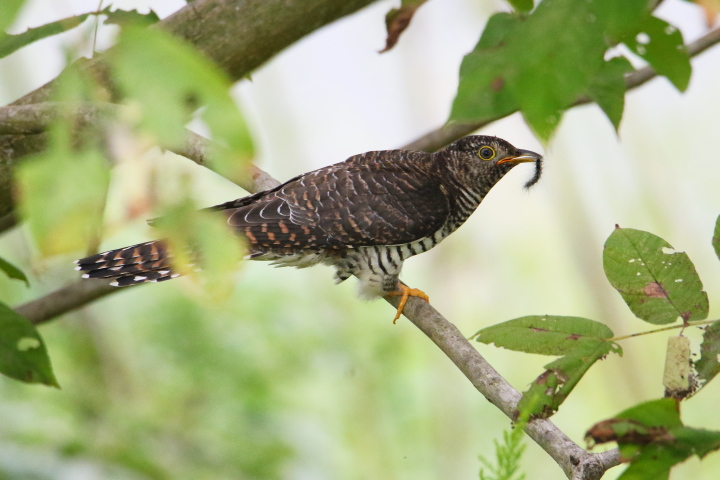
<point x="22" y="351"/>
<point x="550" y="389"/>
<point x="708" y="365"/>
<point x="661" y="44"/>
<point x="581" y="342"/>
<point x="657" y="283"/>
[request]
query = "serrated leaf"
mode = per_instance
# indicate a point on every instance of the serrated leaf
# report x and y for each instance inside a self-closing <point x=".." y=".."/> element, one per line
<point x="11" y="43"/>
<point x="708" y="365"/>
<point x="607" y="89"/>
<point x="175" y="80"/>
<point x="23" y="355"/>
<point x="550" y="389"/>
<point x="657" y="283"/>
<point x="12" y="271"/>
<point x="716" y="238"/>
<point x="544" y="334"/>
<point x="130" y="17"/>
<point x="661" y="44"/>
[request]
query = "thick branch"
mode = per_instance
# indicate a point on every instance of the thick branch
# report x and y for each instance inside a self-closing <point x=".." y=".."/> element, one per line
<point x="450" y="132"/>
<point x="238" y="35"/>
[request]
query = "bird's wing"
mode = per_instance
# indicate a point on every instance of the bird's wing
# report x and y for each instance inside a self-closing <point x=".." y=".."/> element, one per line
<point x="377" y="198"/>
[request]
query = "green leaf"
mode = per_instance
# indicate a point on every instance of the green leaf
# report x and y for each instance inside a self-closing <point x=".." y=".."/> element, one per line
<point x="22" y="351"/>
<point x="607" y="89"/>
<point x="661" y="44"/>
<point x="72" y="219"/>
<point x="708" y="365"/>
<point x="12" y="271"/>
<point x="202" y="239"/>
<point x="130" y="17"/>
<point x="9" y="9"/>
<point x="11" y="43"/>
<point x="543" y="334"/>
<point x="63" y="189"/>
<point x="522" y="5"/>
<point x="655" y="413"/>
<point x="652" y="463"/>
<point x="176" y="80"/>
<point x="716" y="238"/>
<point x="550" y="389"/>
<point x="580" y="340"/>
<point x="542" y="63"/>
<point x="652" y="437"/>
<point x="658" y="283"/>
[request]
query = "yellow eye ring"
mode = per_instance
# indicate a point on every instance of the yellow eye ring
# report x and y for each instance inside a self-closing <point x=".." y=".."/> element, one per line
<point x="486" y="153"/>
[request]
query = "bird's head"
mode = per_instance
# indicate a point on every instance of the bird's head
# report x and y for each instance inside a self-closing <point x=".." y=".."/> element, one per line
<point x="487" y="159"/>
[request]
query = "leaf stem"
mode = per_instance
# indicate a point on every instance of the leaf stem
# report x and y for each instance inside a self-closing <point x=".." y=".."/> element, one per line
<point x="682" y="325"/>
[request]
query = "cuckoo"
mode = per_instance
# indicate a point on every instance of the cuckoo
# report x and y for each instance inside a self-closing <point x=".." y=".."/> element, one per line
<point x="364" y="216"/>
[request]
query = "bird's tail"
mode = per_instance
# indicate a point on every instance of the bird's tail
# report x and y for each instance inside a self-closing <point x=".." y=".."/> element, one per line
<point x="144" y="262"/>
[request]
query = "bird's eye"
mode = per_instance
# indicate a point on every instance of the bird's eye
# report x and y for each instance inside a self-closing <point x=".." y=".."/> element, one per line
<point x="486" y="153"/>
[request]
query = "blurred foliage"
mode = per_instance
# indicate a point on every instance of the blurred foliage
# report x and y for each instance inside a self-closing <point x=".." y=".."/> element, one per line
<point x="23" y="355"/>
<point x="12" y="271"/>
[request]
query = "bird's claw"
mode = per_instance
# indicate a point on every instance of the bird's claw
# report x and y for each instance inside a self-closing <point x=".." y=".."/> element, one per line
<point x="406" y="292"/>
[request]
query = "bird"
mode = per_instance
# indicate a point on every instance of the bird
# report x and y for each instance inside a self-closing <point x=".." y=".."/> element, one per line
<point x="364" y="216"/>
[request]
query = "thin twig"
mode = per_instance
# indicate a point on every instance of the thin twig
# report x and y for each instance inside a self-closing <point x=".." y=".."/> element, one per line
<point x="664" y="329"/>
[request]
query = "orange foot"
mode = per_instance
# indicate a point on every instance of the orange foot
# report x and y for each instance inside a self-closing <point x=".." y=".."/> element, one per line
<point x="406" y="292"/>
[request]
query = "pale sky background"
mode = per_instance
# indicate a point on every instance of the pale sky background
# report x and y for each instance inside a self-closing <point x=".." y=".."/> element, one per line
<point x="332" y="95"/>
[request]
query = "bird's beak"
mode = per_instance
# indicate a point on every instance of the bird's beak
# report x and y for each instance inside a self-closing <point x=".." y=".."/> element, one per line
<point x="525" y="156"/>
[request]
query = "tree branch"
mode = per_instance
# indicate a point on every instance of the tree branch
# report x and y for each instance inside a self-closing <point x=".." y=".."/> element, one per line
<point x="575" y="461"/>
<point x="238" y="35"/>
